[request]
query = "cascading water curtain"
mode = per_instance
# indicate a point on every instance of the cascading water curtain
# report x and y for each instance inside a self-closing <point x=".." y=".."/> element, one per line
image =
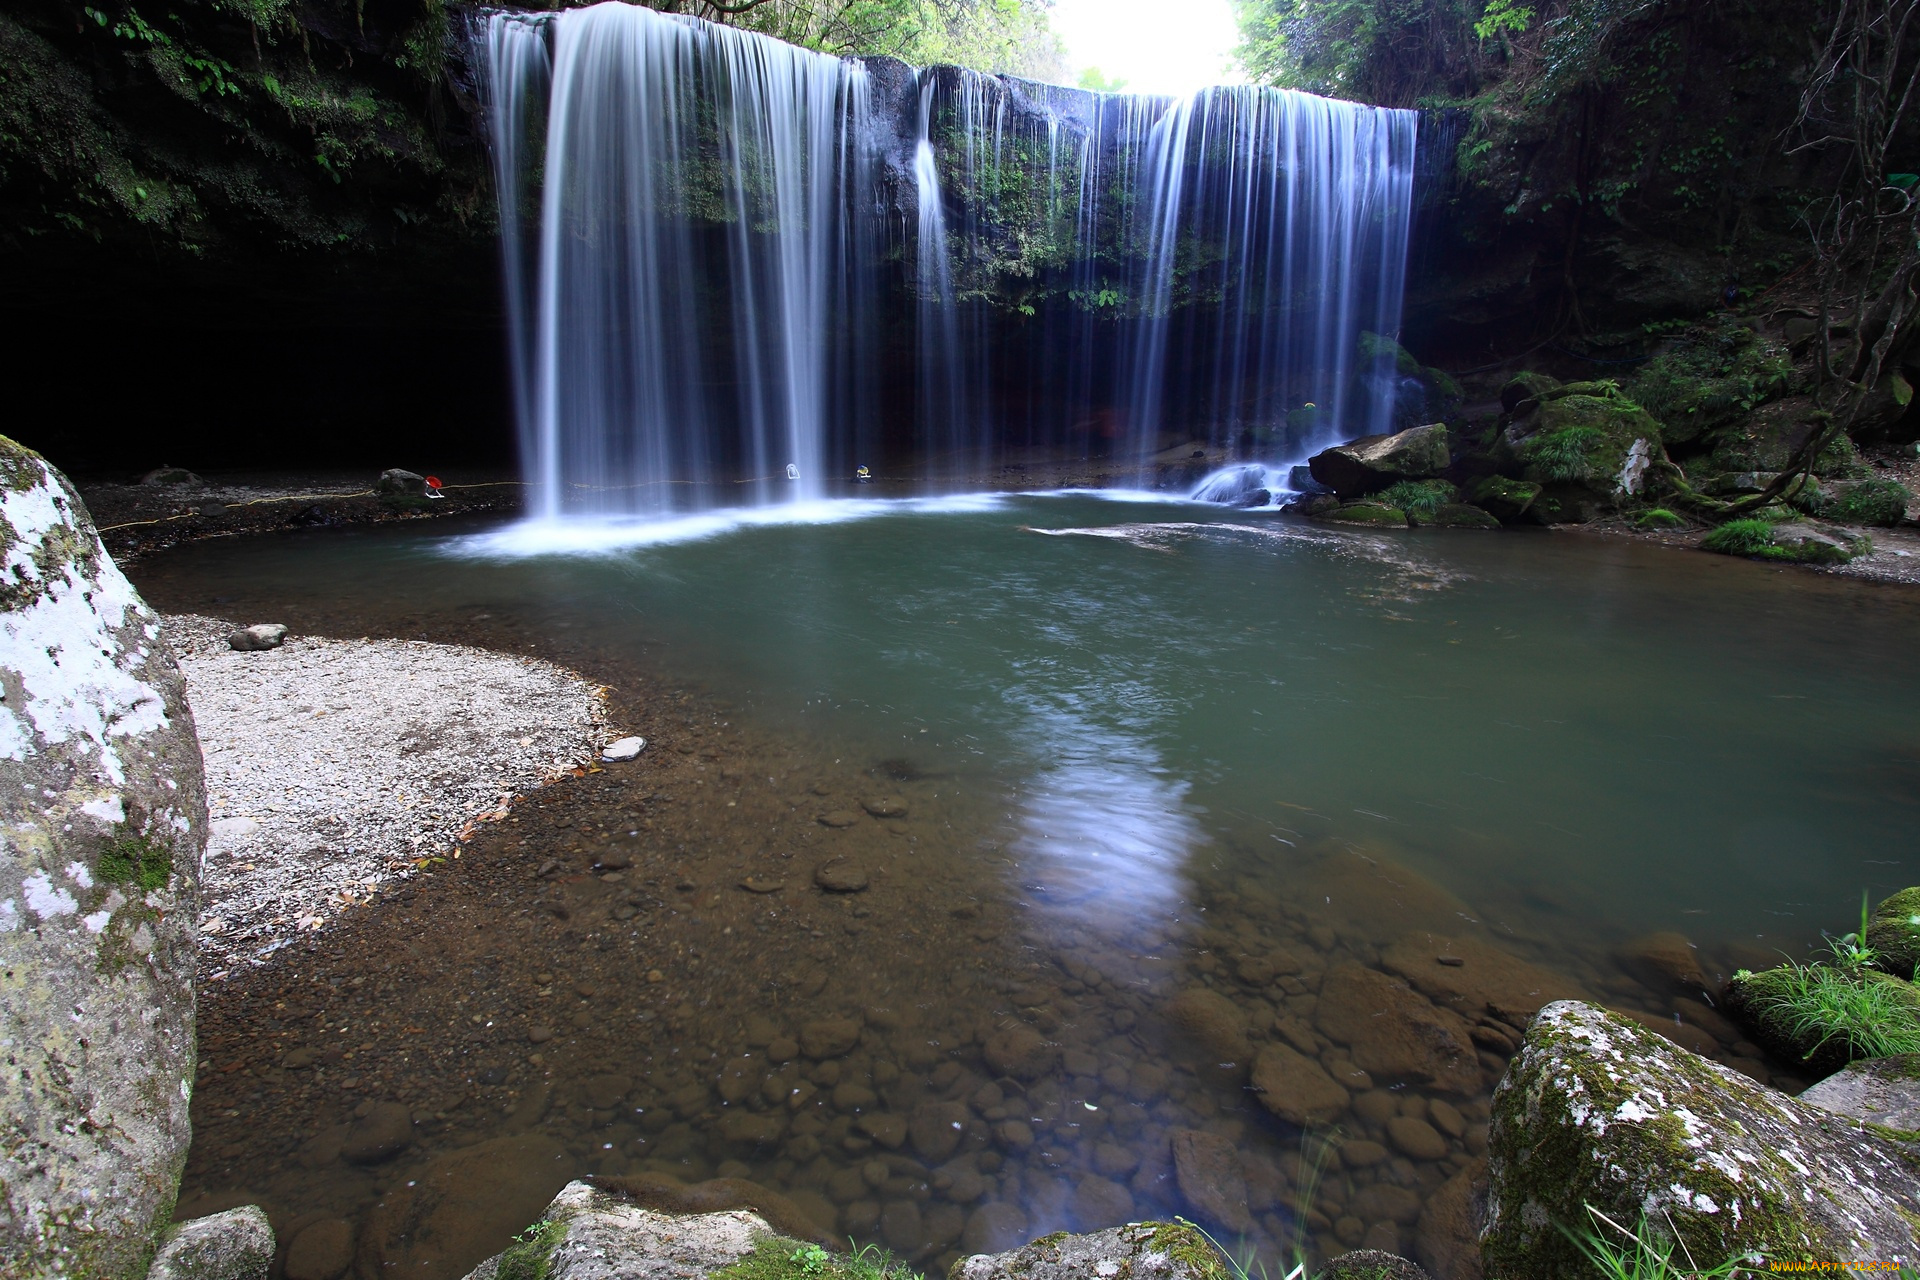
<point x="1292" y="211"/>
<point x="684" y="309"/>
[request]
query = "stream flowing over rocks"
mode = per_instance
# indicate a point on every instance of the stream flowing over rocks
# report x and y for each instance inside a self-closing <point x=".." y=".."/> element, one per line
<point x="104" y="814"/>
<point x="335" y="766"/>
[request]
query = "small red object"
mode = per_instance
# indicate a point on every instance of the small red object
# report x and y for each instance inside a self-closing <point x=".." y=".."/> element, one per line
<point x="433" y="482"/>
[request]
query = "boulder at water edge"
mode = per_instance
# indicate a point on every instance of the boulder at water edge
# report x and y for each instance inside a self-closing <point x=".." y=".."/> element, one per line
<point x="105" y="819"/>
<point x="1596" y="1110"/>
<point x="587" y="1234"/>
<point x="1894" y="934"/>
<point x="1371" y="463"/>
<point x="1137" y="1251"/>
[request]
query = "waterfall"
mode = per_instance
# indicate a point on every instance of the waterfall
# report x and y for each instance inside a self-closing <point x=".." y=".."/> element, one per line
<point x="702" y="310"/>
<point x="695" y="257"/>
<point x="1306" y="201"/>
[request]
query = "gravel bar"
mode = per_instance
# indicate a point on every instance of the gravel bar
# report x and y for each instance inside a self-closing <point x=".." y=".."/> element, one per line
<point x="335" y="766"/>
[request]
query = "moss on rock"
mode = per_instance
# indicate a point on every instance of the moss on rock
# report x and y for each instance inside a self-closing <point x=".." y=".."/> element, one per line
<point x="1367" y="513"/>
<point x="1596" y="1110"/>
<point x="1894" y="933"/>
<point x="1821" y="1017"/>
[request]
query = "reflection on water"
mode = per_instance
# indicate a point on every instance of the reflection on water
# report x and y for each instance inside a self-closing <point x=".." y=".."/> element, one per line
<point x="1212" y="866"/>
<point x="1104" y="832"/>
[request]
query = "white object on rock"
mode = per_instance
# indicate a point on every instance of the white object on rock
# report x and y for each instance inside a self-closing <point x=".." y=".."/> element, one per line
<point x="261" y="635"/>
<point x="235" y="1245"/>
<point x="623" y="749"/>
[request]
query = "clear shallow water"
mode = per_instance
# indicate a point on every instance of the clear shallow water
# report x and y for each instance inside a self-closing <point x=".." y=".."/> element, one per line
<point x="1156" y="741"/>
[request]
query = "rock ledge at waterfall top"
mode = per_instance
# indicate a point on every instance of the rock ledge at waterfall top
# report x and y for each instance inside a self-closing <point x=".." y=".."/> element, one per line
<point x="1597" y="1110"/>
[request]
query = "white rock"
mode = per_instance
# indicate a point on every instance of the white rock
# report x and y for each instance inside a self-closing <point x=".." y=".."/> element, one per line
<point x="261" y="635"/>
<point x="235" y="1245"/>
<point x="623" y="749"/>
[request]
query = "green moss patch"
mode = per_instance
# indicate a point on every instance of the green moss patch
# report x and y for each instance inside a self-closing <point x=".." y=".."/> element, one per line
<point x="1822" y="1017"/>
<point x="137" y="861"/>
<point x="783" y="1258"/>
<point x="531" y="1252"/>
<point x="1893" y="932"/>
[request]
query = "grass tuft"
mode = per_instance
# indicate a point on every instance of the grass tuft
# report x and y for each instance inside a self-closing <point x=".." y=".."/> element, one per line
<point x="1864" y="1014"/>
<point x="780" y="1258"/>
<point x="1416" y="497"/>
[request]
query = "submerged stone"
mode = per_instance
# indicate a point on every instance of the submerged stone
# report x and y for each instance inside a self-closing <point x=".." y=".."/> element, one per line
<point x="1296" y="1088"/>
<point x="1597" y="1111"/>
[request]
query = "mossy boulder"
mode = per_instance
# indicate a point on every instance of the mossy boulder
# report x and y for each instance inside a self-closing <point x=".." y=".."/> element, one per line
<point x="1372" y="463"/>
<point x="1599" y="1111"/>
<point x="1504" y="498"/>
<point x="104" y="805"/>
<point x="1367" y="513"/>
<point x="1587" y="446"/>
<point x="1137" y="1251"/>
<point x="1894" y="933"/>
<point x="1454" y="515"/>
<point x="1821" y="1017"/>
<point x="1768" y="438"/>
<point x="1779" y="535"/>
<point x="1880" y="502"/>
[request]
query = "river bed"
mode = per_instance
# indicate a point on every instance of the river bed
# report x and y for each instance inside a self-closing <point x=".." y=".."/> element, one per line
<point x="1025" y="863"/>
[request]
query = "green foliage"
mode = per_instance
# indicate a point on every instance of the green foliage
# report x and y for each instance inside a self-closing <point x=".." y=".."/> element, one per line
<point x="1094" y="80"/>
<point x="779" y="1258"/>
<point x="1564" y="454"/>
<point x="1011" y="37"/>
<point x="1417" y="497"/>
<point x="1877" y="502"/>
<point x="1851" y="950"/>
<point x="1392" y="52"/>
<point x="1858" y="1013"/>
<point x="1617" y="1253"/>
<point x="136" y="860"/>
<point x="1717" y="372"/>
<point x="1502" y="17"/>
<point x="531" y="1252"/>
<point x="1659" y="518"/>
<point x="1742" y="538"/>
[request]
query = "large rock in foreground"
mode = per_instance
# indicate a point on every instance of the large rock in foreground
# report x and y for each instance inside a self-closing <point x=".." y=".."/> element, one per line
<point x="1371" y="463"/>
<point x="106" y="818"/>
<point x="1597" y="1110"/>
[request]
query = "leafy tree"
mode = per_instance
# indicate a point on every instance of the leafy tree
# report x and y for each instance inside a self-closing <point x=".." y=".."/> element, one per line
<point x="1012" y="37"/>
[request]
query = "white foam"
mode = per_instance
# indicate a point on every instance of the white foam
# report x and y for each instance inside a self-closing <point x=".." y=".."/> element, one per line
<point x="610" y="535"/>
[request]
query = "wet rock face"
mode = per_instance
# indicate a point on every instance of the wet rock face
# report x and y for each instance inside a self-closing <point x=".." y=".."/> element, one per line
<point x="106" y="818"/>
<point x="1599" y="1111"/>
